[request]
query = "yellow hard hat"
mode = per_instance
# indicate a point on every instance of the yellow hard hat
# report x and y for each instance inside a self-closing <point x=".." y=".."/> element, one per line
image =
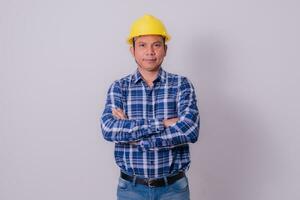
<point x="147" y="25"/>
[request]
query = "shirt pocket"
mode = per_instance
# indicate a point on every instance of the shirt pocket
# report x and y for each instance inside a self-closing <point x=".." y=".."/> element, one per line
<point x="166" y="106"/>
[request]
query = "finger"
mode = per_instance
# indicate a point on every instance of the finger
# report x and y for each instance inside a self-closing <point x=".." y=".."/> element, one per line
<point x="174" y="120"/>
<point x="116" y="114"/>
<point x="120" y="115"/>
<point x="121" y="112"/>
<point x="123" y="115"/>
<point x="113" y="110"/>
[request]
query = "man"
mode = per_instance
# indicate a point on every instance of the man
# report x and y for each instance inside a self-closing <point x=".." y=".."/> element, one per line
<point x="151" y="115"/>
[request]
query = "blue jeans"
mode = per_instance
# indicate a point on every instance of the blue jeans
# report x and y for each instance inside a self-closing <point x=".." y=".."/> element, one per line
<point x="131" y="191"/>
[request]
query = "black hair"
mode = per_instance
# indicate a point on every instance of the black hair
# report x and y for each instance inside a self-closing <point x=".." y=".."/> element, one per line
<point x="133" y="42"/>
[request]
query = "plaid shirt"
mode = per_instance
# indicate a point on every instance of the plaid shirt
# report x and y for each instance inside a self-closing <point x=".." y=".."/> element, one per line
<point x="143" y="146"/>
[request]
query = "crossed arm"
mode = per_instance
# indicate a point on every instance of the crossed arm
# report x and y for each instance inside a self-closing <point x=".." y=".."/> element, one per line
<point x="118" y="113"/>
<point x="152" y="133"/>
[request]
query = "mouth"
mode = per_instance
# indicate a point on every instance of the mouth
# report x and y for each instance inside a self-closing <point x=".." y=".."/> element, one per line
<point x="150" y="60"/>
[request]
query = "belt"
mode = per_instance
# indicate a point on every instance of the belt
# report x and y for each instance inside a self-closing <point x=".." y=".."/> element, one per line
<point x="153" y="182"/>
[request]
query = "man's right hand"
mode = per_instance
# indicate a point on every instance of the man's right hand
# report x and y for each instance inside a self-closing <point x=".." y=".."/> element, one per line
<point x="118" y="113"/>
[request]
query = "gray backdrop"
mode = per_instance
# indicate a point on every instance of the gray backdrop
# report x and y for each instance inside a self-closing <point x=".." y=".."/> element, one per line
<point x="58" y="57"/>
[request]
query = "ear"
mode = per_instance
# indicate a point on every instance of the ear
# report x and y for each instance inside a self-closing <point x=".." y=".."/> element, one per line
<point x="131" y="49"/>
<point x="166" y="49"/>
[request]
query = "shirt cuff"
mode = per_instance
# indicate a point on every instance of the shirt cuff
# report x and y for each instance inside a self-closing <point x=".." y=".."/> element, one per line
<point x="147" y="144"/>
<point x="144" y="145"/>
<point x="156" y="125"/>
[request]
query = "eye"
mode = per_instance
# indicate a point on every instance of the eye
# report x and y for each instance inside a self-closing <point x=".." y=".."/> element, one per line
<point x="157" y="45"/>
<point x="142" y="45"/>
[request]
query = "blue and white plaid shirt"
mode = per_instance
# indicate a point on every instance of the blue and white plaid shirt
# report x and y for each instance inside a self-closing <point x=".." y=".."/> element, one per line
<point x="143" y="146"/>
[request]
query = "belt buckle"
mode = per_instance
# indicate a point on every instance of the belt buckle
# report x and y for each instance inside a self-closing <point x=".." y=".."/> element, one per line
<point x="150" y="182"/>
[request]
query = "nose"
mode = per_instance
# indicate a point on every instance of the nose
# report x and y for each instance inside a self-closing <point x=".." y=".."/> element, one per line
<point x="150" y="51"/>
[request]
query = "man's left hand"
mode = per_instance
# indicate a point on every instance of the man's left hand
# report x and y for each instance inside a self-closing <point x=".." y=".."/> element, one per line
<point x="169" y="122"/>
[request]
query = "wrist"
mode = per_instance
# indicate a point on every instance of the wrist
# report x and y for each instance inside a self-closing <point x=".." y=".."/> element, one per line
<point x="156" y="125"/>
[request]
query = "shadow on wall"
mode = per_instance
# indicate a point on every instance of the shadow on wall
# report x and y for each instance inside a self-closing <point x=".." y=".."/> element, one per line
<point x="227" y="160"/>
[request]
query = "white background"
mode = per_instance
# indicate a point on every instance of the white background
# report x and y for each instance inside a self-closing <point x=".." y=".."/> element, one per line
<point x="58" y="58"/>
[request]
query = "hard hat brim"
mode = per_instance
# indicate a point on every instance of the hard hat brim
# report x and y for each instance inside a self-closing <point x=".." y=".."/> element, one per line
<point x="129" y="40"/>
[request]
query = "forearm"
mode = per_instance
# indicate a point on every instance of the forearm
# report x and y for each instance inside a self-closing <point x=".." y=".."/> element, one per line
<point x="186" y="130"/>
<point x="115" y="127"/>
<point x="128" y="130"/>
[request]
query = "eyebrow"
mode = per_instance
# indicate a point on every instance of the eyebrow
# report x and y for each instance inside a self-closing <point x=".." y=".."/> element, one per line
<point x="158" y="41"/>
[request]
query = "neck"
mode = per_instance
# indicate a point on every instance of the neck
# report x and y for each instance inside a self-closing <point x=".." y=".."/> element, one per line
<point x="149" y="76"/>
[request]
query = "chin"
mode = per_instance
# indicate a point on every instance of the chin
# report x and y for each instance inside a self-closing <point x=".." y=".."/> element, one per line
<point x="150" y="68"/>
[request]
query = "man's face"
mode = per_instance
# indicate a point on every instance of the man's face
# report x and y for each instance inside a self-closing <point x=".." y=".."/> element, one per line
<point x="149" y="52"/>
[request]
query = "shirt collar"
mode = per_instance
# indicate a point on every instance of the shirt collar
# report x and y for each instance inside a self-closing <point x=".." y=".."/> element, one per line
<point x="161" y="77"/>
